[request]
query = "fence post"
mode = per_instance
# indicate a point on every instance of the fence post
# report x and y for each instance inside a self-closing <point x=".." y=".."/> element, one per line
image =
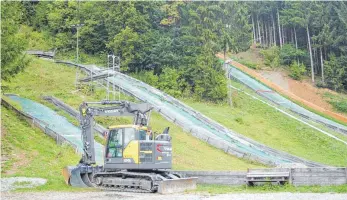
<point x="346" y="174"/>
<point x="57" y="138"/>
<point x="291" y="176"/>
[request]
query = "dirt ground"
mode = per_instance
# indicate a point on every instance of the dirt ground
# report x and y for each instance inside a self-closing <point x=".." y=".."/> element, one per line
<point x="119" y="195"/>
<point x="304" y="89"/>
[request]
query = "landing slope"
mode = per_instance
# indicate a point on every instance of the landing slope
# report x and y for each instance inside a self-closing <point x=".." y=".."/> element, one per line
<point x="47" y="78"/>
<point x="31" y="153"/>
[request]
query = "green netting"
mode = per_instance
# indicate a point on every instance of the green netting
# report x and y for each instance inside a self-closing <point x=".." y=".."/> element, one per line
<point x="57" y="123"/>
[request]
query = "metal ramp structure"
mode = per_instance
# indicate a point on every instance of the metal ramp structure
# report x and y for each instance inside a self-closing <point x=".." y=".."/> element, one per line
<point x="196" y="123"/>
<point x="98" y="77"/>
<point x="45" y="54"/>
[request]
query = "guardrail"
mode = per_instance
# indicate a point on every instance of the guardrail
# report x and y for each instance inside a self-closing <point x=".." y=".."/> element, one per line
<point x="46" y="54"/>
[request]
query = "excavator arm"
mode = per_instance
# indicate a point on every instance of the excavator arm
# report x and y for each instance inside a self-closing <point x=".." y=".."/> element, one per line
<point x="107" y="108"/>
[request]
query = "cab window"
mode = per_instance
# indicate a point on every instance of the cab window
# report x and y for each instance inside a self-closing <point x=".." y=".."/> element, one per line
<point x="115" y="144"/>
<point x="142" y="135"/>
<point x="129" y="134"/>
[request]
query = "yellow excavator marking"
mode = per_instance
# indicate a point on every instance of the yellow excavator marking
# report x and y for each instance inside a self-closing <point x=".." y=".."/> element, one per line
<point x="132" y="151"/>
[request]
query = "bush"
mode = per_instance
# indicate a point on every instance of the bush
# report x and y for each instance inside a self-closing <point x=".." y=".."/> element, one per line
<point x="249" y="64"/>
<point x="168" y="82"/>
<point x="148" y="77"/>
<point x="321" y="84"/>
<point x="339" y="105"/>
<point x="297" y="70"/>
<point x="271" y="56"/>
<point x="289" y="53"/>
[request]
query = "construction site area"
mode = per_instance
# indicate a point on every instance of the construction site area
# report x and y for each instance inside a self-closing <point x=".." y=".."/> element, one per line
<point x="173" y="100"/>
<point x="256" y="163"/>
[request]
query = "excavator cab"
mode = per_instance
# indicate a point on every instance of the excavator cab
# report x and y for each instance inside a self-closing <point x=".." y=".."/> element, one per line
<point x="133" y="147"/>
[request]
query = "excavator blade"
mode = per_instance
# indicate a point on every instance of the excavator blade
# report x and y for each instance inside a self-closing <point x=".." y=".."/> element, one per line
<point x="177" y="185"/>
<point x="74" y="177"/>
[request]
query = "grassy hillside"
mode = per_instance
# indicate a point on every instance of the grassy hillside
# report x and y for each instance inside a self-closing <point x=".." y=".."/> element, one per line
<point x="29" y="152"/>
<point x="268" y="126"/>
<point x="46" y="78"/>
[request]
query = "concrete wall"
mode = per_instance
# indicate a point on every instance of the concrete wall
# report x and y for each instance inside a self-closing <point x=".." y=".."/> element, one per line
<point x="298" y="176"/>
<point x="216" y="177"/>
<point x="319" y="176"/>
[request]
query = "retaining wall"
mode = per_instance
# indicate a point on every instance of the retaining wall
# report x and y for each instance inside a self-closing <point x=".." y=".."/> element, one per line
<point x="216" y="177"/>
<point x="312" y="176"/>
<point x="298" y="176"/>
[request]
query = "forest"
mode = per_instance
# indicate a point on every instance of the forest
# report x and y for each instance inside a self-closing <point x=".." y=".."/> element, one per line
<point x="173" y="44"/>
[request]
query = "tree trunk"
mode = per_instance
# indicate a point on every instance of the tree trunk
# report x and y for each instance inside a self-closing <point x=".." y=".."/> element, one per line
<point x="274" y="29"/>
<point x="310" y="51"/>
<point x="283" y="32"/>
<point x="265" y="34"/>
<point x="325" y="53"/>
<point x="254" y="35"/>
<point x="259" y="34"/>
<point x="279" y="28"/>
<point x="296" y="44"/>
<point x="296" y="40"/>
<point x="270" y="35"/>
<point x="315" y="59"/>
<point x="322" y="63"/>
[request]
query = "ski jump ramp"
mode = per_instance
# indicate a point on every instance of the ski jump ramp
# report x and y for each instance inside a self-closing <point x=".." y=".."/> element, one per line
<point x="194" y="122"/>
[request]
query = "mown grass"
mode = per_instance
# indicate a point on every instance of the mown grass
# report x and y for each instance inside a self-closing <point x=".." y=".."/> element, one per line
<point x="222" y="189"/>
<point x="46" y="78"/>
<point x="266" y="125"/>
<point x="40" y="155"/>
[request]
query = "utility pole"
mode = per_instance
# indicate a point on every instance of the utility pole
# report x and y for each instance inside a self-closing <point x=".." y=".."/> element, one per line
<point x="77" y="26"/>
<point x="230" y="101"/>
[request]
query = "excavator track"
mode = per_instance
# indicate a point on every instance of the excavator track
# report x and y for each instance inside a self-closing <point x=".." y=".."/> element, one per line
<point x="162" y="182"/>
<point x="125" y="188"/>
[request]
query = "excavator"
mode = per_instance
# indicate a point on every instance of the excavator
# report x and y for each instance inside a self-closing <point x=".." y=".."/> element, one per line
<point x="135" y="159"/>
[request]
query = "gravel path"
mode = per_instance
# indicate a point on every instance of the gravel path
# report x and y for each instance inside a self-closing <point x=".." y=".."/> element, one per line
<point x="20" y="182"/>
<point x="118" y="195"/>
